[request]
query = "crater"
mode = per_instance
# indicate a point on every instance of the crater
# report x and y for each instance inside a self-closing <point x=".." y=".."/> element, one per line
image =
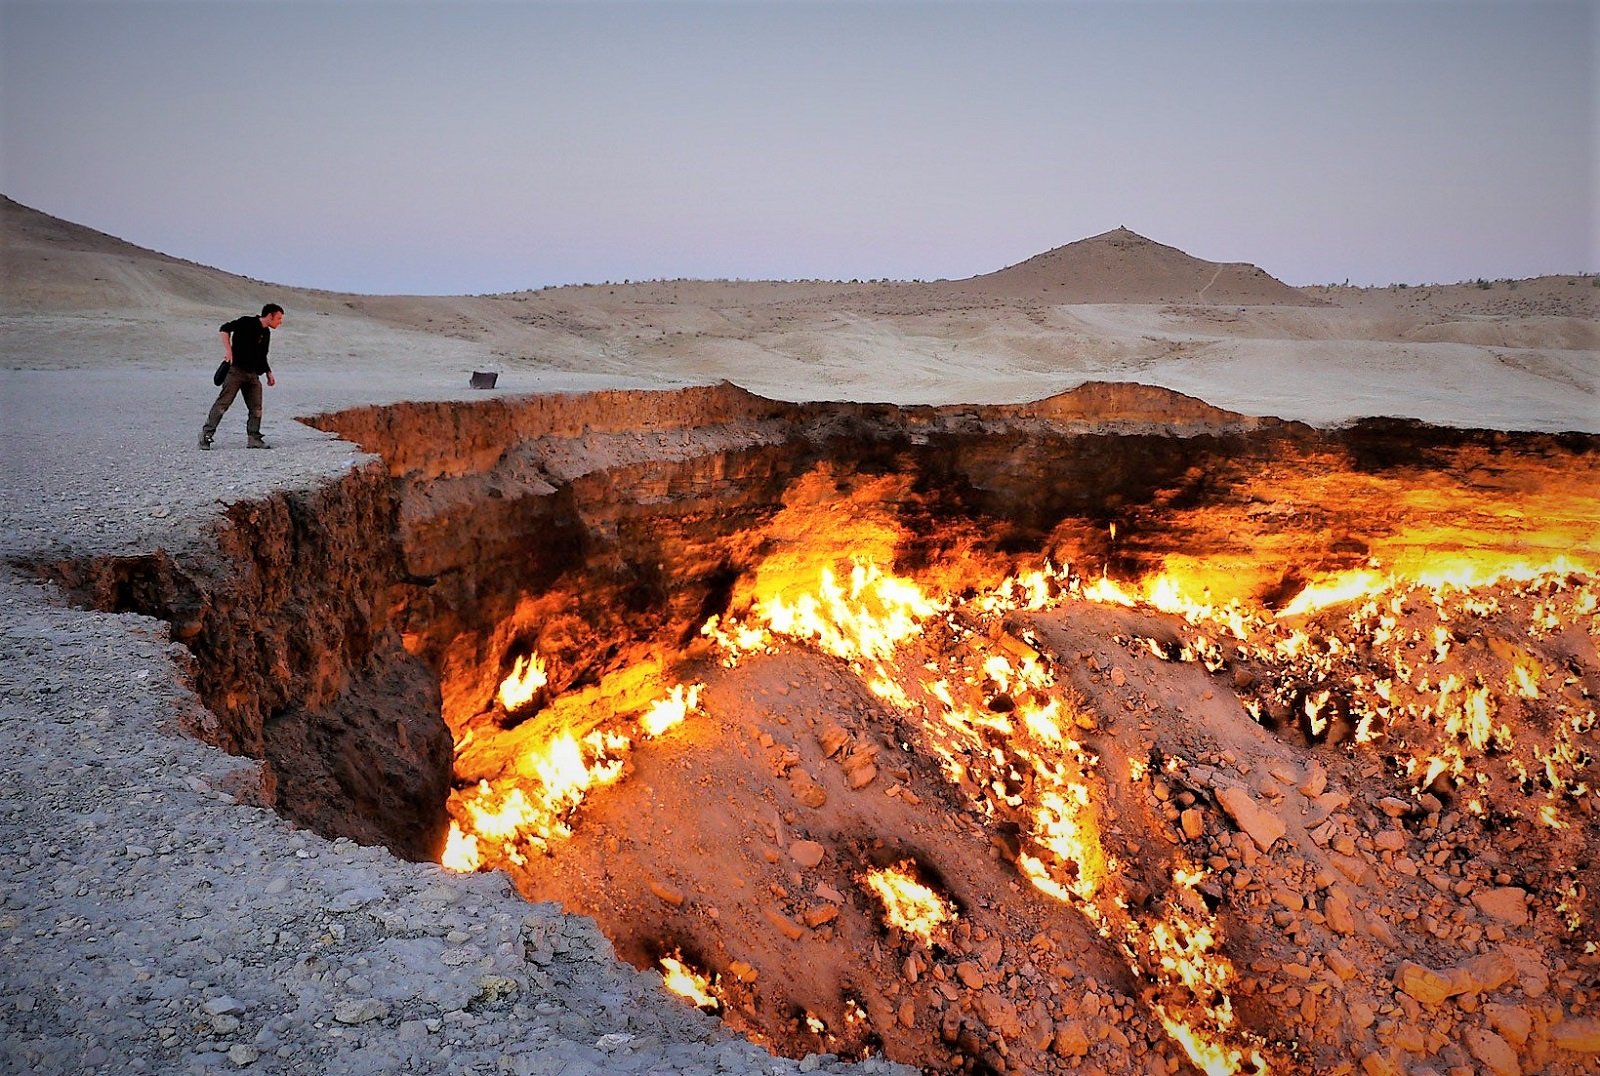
<point x="1110" y="729"/>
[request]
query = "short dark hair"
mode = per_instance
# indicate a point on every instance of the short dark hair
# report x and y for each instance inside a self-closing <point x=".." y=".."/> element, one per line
<point x="270" y="309"/>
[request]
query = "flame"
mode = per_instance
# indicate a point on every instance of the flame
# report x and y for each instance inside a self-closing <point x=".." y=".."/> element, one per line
<point x="528" y="675"/>
<point x="671" y="711"/>
<point x="867" y="619"/>
<point x="1211" y="1058"/>
<point x="1485" y="568"/>
<point x="562" y="771"/>
<point x="460" y="851"/>
<point x="1524" y="679"/>
<point x="1334" y="590"/>
<point x="684" y="981"/>
<point x="549" y="780"/>
<point x="907" y="903"/>
<point x="1064" y="823"/>
<point x="567" y="775"/>
<point x="1103" y="590"/>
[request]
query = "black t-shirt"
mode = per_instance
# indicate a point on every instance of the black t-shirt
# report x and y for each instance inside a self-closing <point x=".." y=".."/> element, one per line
<point x="251" y="339"/>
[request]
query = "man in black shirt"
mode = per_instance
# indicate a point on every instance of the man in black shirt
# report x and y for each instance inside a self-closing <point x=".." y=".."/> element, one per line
<point x="244" y="348"/>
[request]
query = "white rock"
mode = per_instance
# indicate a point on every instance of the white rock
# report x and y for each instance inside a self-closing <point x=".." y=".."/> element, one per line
<point x="359" y="1010"/>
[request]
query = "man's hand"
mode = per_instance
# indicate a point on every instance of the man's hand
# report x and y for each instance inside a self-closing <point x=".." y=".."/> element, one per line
<point x="270" y="379"/>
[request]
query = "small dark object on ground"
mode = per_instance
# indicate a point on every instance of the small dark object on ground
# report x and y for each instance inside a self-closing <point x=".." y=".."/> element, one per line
<point x="483" y="380"/>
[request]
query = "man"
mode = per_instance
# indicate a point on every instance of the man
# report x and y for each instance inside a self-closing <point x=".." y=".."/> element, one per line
<point x="244" y="348"/>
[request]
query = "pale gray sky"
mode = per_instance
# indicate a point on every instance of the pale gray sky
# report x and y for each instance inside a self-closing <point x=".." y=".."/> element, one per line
<point x="476" y="146"/>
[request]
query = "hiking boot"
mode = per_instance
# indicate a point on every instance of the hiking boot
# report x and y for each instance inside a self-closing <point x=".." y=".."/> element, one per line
<point x="205" y="443"/>
<point x="259" y="443"/>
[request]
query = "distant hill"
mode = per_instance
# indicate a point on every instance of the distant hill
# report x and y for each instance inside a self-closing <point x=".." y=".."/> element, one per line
<point x="54" y="265"/>
<point x="1121" y="266"/>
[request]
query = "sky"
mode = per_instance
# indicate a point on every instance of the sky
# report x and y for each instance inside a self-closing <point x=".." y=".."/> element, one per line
<point x="468" y="146"/>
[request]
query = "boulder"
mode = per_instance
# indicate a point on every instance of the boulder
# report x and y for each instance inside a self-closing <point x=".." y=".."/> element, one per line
<point x="1495" y="1053"/>
<point x="1507" y="904"/>
<point x="1261" y="826"/>
<point x="1579" y="1034"/>
<point x="1424" y="984"/>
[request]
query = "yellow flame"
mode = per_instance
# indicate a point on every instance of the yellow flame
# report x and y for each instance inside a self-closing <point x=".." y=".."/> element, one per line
<point x="528" y="675"/>
<point x="1485" y="568"/>
<point x="907" y="903"/>
<point x="671" y="711"/>
<point x="1065" y="824"/>
<point x="1214" y="1059"/>
<point x="1524" y="679"/>
<point x="684" y="981"/>
<point x="536" y="810"/>
<point x="566" y="775"/>
<point x="865" y="620"/>
<point x="1333" y="590"/>
<point x="1103" y="590"/>
<point x="460" y="851"/>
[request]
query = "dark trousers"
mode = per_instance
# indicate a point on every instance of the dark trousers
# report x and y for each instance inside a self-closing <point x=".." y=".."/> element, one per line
<point x="236" y="382"/>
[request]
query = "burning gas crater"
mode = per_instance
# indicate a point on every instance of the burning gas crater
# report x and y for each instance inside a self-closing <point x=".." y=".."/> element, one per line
<point x="1015" y="825"/>
<point x="1223" y="814"/>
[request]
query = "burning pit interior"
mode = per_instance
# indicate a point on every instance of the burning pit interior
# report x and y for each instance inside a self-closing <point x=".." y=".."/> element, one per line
<point x="1112" y="732"/>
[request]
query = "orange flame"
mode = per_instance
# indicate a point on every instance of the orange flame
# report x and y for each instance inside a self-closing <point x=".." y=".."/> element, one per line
<point x="1211" y="1058"/>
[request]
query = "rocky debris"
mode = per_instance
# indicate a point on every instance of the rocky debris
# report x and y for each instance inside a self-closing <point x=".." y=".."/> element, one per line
<point x="666" y="892"/>
<point x="785" y="926"/>
<point x="1427" y="986"/>
<point x="1484" y="974"/>
<point x="1495" y="1053"/>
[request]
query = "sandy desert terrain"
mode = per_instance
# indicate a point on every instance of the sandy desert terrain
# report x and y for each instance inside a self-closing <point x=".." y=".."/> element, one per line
<point x="1509" y="355"/>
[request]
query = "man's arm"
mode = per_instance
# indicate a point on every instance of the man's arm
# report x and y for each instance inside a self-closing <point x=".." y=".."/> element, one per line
<point x="227" y="346"/>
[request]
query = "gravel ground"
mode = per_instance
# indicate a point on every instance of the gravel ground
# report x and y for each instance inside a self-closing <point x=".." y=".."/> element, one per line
<point x="149" y="922"/>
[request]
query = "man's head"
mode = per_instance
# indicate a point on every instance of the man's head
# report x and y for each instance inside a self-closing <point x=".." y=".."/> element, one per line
<point x="272" y="315"/>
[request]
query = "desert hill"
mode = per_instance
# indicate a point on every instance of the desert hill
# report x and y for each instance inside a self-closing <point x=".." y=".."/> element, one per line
<point x="55" y="265"/>
<point x="1114" y="307"/>
<point x="1121" y="266"/>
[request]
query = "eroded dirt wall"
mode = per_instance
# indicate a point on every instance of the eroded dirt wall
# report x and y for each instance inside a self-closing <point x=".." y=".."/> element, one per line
<point x="297" y="657"/>
<point x="428" y="440"/>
